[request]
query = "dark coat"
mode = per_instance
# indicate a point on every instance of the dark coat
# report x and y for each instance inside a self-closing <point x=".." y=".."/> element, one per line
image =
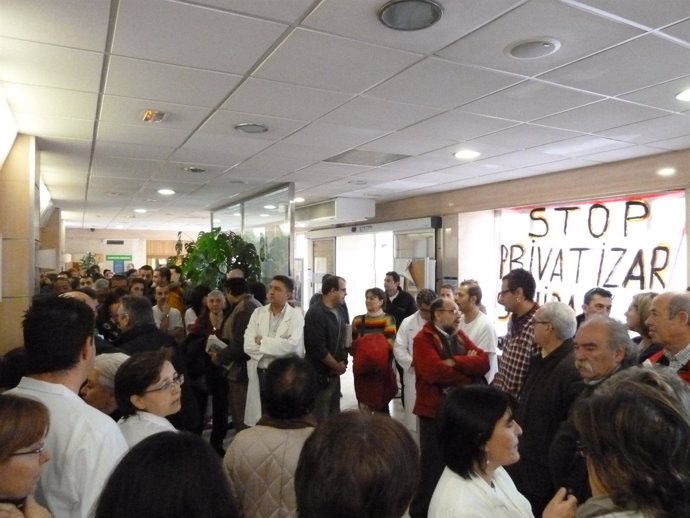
<point x="401" y="307"/>
<point x="324" y="333"/>
<point x="551" y="387"/>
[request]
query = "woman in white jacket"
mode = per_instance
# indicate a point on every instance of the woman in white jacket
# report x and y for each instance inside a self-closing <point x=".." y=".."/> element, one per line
<point x="478" y="436"/>
<point x="274" y="331"/>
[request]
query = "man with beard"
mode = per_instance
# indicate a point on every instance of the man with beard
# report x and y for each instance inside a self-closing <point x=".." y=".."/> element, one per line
<point x="602" y="348"/>
<point x="444" y="357"/>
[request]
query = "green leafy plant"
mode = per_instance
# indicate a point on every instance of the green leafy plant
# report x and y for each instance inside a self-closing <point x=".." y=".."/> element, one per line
<point x="87" y="260"/>
<point x="214" y="253"/>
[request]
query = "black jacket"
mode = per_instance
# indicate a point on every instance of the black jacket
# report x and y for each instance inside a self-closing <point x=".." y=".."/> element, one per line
<point x="324" y="333"/>
<point x="401" y="307"/>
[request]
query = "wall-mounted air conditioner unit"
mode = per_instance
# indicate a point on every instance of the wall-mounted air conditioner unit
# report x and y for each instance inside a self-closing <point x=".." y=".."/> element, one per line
<point x="337" y="210"/>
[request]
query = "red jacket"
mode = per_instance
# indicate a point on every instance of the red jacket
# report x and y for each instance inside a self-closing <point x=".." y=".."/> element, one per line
<point x="433" y="376"/>
<point x="658" y="358"/>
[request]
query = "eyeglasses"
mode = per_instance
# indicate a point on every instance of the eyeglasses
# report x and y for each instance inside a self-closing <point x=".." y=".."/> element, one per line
<point x="35" y="451"/>
<point x="177" y="379"/>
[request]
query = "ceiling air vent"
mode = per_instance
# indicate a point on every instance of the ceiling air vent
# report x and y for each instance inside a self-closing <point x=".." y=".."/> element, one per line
<point x="337" y="210"/>
<point x="114" y="241"/>
<point x="370" y="158"/>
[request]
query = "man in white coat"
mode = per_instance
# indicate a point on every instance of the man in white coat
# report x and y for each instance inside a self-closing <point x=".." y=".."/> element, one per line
<point x="274" y="331"/>
<point x="408" y="329"/>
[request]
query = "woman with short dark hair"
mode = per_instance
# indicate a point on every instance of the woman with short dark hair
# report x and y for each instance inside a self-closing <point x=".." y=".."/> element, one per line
<point x="147" y="389"/>
<point x="373" y="337"/>
<point x="23" y="427"/>
<point x="168" y="475"/>
<point x="478" y="437"/>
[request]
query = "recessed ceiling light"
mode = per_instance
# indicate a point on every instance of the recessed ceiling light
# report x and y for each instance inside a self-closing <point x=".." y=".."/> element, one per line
<point x="298" y="200"/>
<point x="684" y="95"/>
<point x="140" y="211"/>
<point x="410" y="15"/>
<point x="269" y="207"/>
<point x="666" y="171"/>
<point x="466" y="154"/>
<point x="151" y="115"/>
<point x="533" y="49"/>
<point x="166" y="192"/>
<point x="236" y="214"/>
<point x="119" y="227"/>
<point x="263" y="215"/>
<point x="193" y="169"/>
<point x="251" y="127"/>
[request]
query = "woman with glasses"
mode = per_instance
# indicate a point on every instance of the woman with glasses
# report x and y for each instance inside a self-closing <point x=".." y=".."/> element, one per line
<point x="147" y="389"/>
<point x="23" y="426"/>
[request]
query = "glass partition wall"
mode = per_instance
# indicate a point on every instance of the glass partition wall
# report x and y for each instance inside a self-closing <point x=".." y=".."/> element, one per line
<point x="267" y="221"/>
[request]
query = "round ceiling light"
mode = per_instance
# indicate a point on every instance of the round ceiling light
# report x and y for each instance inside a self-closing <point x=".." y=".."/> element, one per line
<point x="533" y="49"/>
<point x="684" y="95"/>
<point x="166" y="192"/>
<point x="410" y="15"/>
<point x="140" y="211"/>
<point x="466" y="154"/>
<point x="251" y="127"/>
<point x="666" y="171"/>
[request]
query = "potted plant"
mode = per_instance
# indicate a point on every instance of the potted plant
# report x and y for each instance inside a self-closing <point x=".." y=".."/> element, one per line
<point x="214" y="253"/>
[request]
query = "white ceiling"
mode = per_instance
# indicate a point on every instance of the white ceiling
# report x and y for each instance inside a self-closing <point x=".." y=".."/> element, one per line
<point x="327" y="77"/>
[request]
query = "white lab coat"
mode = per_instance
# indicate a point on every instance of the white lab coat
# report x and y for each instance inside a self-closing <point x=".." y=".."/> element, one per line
<point x="289" y="340"/>
<point x="402" y="351"/>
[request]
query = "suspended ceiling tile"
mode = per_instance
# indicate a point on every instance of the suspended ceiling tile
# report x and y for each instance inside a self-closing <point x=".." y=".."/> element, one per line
<point x="134" y="151"/>
<point x="278" y="99"/>
<point x="333" y="63"/>
<point x="59" y="23"/>
<point x="526" y="136"/>
<point x="371" y="113"/>
<point x="168" y="83"/>
<point x="284" y="11"/>
<point x="600" y="116"/>
<point x="662" y="95"/>
<point x="442" y="84"/>
<point x="637" y="64"/>
<point x="579" y="33"/>
<point x="663" y="128"/>
<point x="624" y="154"/>
<point x="51" y="102"/>
<point x="529" y="100"/>
<point x="141" y="133"/>
<point x="54" y="127"/>
<point x="48" y="65"/>
<point x="191" y="35"/>
<point x="640" y="11"/>
<point x="581" y="146"/>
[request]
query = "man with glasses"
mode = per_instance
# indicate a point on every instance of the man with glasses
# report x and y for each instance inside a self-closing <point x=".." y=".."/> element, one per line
<point x="444" y="357"/>
<point x="325" y="339"/>
<point x="85" y="444"/>
<point x="549" y="391"/>
<point x="403" y="349"/>
<point x="518" y="288"/>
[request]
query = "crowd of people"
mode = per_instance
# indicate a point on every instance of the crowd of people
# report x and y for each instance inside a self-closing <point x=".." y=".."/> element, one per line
<point x="105" y="403"/>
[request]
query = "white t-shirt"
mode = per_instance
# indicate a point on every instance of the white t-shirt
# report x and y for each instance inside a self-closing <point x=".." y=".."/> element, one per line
<point x="190" y="317"/>
<point x="85" y="446"/>
<point x="139" y="426"/>
<point x="174" y="318"/>
<point x="483" y="334"/>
